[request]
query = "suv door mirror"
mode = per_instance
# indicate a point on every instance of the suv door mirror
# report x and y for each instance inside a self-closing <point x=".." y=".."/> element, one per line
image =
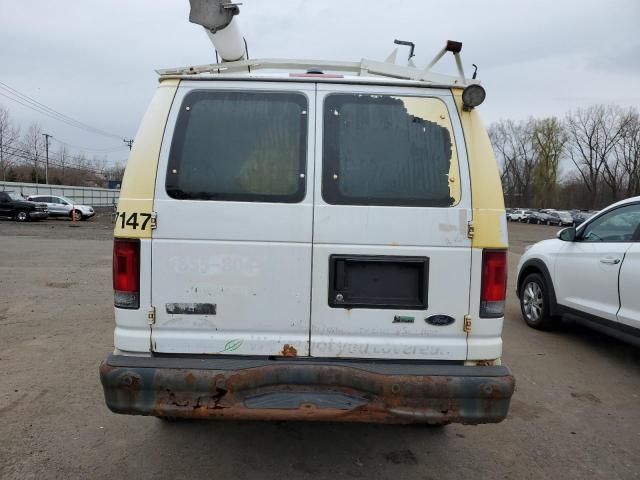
<point x="567" y="234"/>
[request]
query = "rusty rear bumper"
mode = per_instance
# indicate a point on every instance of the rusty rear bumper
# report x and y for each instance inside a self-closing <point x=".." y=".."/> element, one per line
<point x="306" y="389"/>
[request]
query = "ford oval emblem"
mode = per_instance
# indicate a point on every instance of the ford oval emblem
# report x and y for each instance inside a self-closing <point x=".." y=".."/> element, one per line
<point x="440" y="320"/>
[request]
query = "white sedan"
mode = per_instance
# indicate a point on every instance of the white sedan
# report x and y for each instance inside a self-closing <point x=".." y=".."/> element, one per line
<point x="590" y="274"/>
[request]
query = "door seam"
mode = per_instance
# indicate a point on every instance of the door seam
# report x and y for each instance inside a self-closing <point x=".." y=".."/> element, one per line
<point x="313" y="206"/>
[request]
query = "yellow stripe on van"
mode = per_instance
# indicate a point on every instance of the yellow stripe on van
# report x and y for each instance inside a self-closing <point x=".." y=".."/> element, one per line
<point x="138" y="185"/>
<point x="487" y="200"/>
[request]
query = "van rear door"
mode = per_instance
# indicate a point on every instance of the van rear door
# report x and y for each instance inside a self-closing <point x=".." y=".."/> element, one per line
<point x="231" y="255"/>
<point x="391" y="253"/>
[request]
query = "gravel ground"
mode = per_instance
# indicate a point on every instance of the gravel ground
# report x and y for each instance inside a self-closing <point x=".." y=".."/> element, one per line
<point x="575" y="413"/>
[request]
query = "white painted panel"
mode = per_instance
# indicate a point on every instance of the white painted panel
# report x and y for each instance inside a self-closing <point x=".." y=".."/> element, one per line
<point x="252" y="260"/>
<point x="437" y="233"/>
<point x="260" y="290"/>
<point x="133" y="333"/>
<point x="485" y="339"/>
<point x="583" y="282"/>
<point x="392" y="226"/>
<point x="363" y="332"/>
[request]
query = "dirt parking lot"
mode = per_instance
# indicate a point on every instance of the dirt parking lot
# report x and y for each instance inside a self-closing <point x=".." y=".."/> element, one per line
<point x="575" y="413"/>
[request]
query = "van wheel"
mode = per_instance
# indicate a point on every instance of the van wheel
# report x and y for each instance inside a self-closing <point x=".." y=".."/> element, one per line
<point x="21" y="216"/>
<point x="534" y="303"/>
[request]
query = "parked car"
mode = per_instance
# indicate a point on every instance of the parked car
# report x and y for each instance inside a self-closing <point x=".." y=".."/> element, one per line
<point x="590" y="273"/>
<point x="560" y="218"/>
<point x="516" y="215"/>
<point x="13" y="205"/>
<point x="535" y="216"/>
<point x="580" y="216"/>
<point x="566" y="218"/>
<point x="402" y="324"/>
<point x="63" y="207"/>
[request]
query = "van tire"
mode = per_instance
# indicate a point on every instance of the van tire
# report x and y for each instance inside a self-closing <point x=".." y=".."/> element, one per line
<point x="534" y="303"/>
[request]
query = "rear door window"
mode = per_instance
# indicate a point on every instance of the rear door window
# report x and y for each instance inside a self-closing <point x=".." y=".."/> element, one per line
<point x="388" y="150"/>
<point x="242" y="146"/>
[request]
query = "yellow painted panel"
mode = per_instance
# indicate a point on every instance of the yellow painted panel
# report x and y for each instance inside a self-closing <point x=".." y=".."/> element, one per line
<point x="434" y="110"/>
<point x="138" y="184"/>
<point x="487" y="200"/>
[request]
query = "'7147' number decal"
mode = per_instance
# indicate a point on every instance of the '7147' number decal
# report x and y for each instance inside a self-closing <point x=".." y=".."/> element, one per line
<point x="131" y="220"/>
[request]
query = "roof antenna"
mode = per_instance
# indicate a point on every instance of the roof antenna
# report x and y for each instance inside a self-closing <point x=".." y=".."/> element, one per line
<point x="407" y="44"/>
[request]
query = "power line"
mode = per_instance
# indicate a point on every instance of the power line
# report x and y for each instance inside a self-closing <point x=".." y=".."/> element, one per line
<point x="28" y="157"/>
<point x="27" y="152"/>
<point x="50" y="112"/>
<point x="51" y="154"/>
<point x="27" y="160"/>
<point x="42" y="108"/>
<point x="44" y="112"/>
<point x="105" y="150"/>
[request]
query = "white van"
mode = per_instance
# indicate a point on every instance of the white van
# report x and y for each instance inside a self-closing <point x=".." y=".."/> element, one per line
<point x="310" y="245"/>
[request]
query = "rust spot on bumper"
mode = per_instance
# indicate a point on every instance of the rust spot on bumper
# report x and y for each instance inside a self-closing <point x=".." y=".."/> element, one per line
<point x="289" y="351"/>
<point x="303" y="390"/>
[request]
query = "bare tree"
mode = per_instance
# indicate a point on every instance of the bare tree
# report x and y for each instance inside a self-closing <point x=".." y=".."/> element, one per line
<point x="33" y="144"/>
<point x="9" y="140"/>
<point x="593" y="133"/>
<point x="63" y="158"/>
<point x="549" y="141"/>
<point x="627" y="153"/>
<point x="116" y="171"/>
<point x="614" y="174"/>
<point x="513" y="144"/>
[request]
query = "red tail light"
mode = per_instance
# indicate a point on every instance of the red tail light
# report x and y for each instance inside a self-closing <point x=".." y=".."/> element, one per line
<point x="494" y="283"/>
<point x="126" y="273"/>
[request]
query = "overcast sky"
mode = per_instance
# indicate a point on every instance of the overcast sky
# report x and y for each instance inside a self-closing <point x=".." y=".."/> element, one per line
<point x="95" y="60"/>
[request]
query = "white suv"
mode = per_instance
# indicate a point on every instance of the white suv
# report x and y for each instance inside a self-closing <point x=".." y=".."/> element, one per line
<point x="590" y="274"/>
<point x="63" y="207"/>
<point x="517" y="215"/>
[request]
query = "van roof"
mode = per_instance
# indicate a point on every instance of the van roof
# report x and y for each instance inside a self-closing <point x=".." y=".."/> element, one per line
<point x="364" y="71"/>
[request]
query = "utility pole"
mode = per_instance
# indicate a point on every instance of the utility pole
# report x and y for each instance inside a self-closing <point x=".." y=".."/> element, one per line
<point x="129" y="142"/>
<point x="46" y="146"/>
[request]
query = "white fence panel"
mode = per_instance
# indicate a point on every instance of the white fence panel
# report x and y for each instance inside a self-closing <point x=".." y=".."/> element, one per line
<point x="95" y="197"/>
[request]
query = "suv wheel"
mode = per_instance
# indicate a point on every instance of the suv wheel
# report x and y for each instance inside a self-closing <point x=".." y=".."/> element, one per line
<point x="534" y="303"/>
<point x="21" y="216"/>
<point x="77" y="214"/>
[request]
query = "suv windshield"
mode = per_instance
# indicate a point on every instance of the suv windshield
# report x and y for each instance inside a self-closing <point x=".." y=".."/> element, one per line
<point x="15" y="196"/>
